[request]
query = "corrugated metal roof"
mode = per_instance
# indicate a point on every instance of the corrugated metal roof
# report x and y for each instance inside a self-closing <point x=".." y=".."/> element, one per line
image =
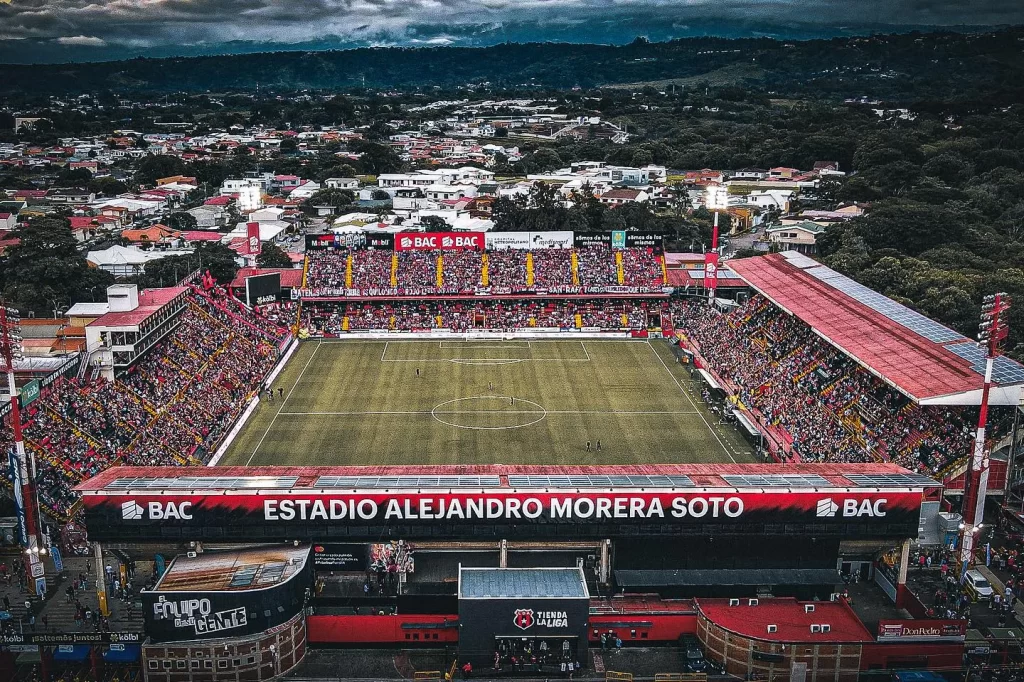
<point x="522" y="583"/>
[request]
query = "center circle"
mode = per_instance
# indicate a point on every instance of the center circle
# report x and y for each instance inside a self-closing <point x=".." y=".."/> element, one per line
<point x="488" y="413"/>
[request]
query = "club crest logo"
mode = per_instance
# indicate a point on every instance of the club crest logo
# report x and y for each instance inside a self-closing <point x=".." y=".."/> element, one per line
<point x="523" y="619"/>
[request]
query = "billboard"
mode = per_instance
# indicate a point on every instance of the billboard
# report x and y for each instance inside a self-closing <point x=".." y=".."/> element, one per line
<point x="252" y="235"/>
<point x="620" y="239"/>
<point x="341" y="557"/>
<point x="262" y="289"/>
<point x="190" y="614"/>
<point x="350" y="240"/>
<point x="443" y="241"/>
<point x="529" y="240"/>
<point x="710" y="269"/>
<point x="285" y="514"/>
<point x="29" y="393"/>
<point x="922" y="630"/>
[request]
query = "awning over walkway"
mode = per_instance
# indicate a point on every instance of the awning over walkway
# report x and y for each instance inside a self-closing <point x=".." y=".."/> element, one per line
<point x="710" y="380"/>
<point x="719" y="577"/>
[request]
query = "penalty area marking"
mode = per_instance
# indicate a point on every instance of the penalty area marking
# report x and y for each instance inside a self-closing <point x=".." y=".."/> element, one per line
<point x="486" y="361"/>
<point x="438" y="408"/>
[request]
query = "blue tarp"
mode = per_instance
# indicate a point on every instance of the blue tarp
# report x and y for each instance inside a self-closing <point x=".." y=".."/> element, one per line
<point x="71" y="652"/>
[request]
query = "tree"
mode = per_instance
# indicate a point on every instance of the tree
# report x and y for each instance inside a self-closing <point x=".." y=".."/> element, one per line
<point x="107" y="186"/>
<point x="273" y="256"/>
<point x="380" y="195"/>
<point x="181" y="221"/>
<point x="46" y="271"/>
<point x="73" y="177"/>
<point x="435" y="223"/>
<point x="331" y="196"/>
<point x="288" y="145"/>
<point x="157" y="166"/>
<point x="376" y="158"/>
<point x="166" y="272"/>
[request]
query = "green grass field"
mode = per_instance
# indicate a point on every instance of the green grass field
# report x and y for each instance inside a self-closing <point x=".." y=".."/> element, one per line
<point x="362" y="402"/>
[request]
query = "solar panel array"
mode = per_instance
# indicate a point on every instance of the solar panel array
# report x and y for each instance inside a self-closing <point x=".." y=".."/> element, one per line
<point x="776" y="481"/>
<point x="799" y="260"/>
<point x="384" y="482"/>
<point x="600" y="481"/>
<point x="1004" y="370"/>
<point x="900" y="314"/>
<point x="203" y="483"/>
<point x="891" y="480"/>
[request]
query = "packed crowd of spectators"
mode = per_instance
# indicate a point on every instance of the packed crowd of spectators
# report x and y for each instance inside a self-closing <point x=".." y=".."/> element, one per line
<point x="171" y="408"/>
<point x="506" y="270"/>
<point x="828" y="407"/>
<point x="328" y="318"/>
<point x="597" y="267"/>
<point x="462" y="271"/>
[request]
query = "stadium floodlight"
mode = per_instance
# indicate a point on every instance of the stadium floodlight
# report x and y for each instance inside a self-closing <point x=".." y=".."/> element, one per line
<point x="716" y="197"/>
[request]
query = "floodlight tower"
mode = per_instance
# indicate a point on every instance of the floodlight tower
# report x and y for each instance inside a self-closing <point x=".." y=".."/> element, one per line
<point x="24" y="486"/>
<point x="716" y="198"/>
<point x="992" y="332"/>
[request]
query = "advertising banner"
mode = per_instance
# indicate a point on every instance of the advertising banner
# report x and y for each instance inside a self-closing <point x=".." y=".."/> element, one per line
<point x="253" y="244"/>
<point x="262" y="289"/>
<point x="620" y="239"/>
<point x="291" y="509"/>
<point x="443" y="241"/>
<point x="529" y="240"/>
<point x="922" y="630"/>
<point x="710" y="269"/>
<point x="29" y="393"/>
<point x="338" y="557"/>
<point x="58" y="638"/>
<point x="319" y="242"/>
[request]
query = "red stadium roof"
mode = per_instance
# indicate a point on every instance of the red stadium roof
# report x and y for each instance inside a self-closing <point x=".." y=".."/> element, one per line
<point x="150" y="302"/>
<point x="930" y="363"/>
<point x="803" y="476"/>
<point x="791" y="620"/>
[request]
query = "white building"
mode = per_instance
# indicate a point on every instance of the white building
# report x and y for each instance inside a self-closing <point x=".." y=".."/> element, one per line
<point x="248" y="193"/>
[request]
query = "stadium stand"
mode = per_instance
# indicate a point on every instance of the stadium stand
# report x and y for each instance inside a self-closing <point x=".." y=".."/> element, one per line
<point x="333" y="318"/>
<point x="172" y="407"/>
<point x="823" y="405"/>
<point x="416" y="273"/>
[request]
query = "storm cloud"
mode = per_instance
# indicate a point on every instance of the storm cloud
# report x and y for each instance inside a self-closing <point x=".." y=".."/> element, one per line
<point x="87" y="29"/>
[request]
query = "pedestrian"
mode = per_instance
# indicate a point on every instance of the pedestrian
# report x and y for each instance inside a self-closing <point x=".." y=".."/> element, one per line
<point x="512" y="401"/>
<point x="588" y="446"/>
<point x="599" y="445"/>
<point x="618" y="644"/>
<point x="7" y="603"/>
<point x="604" y="641"/>
<point x="417" y="371"/>
<point x="280" y="392"/>
<point x="467" y="670"/>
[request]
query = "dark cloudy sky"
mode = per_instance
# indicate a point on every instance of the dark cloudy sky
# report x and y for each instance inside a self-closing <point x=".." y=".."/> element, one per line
<point x="58" y="30"/>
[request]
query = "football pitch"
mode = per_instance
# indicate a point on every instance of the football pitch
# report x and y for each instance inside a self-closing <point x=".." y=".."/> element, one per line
<point x="484" y="402"/>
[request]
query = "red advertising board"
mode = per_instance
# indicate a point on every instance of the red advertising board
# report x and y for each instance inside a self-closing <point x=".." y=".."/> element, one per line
<point x="710" y="269"/>
<point x="252" y="233"/>
<point x="354" y="508"/>
<point x="921" y="630"/>
<point x="439" y="241"/>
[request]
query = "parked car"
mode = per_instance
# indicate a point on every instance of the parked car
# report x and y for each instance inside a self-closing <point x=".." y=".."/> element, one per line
<point x="977" y="586"/>
<point x="695" y="661"/>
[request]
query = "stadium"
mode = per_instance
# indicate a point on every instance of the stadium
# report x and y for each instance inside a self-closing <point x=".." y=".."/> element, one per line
<point x="512" y="454"/>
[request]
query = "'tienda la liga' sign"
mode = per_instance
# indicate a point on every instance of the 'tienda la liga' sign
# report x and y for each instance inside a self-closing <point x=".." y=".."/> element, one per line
<point x="426" y="508"/>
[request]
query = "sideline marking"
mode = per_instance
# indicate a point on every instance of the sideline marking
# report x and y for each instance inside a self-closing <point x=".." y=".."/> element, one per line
<point x="681" y="390"/>
<point x="283" y="403"/>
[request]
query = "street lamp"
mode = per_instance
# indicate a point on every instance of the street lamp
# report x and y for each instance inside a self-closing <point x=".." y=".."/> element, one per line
<point x="716" y="198"/>
<point x="24" y="483"/>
